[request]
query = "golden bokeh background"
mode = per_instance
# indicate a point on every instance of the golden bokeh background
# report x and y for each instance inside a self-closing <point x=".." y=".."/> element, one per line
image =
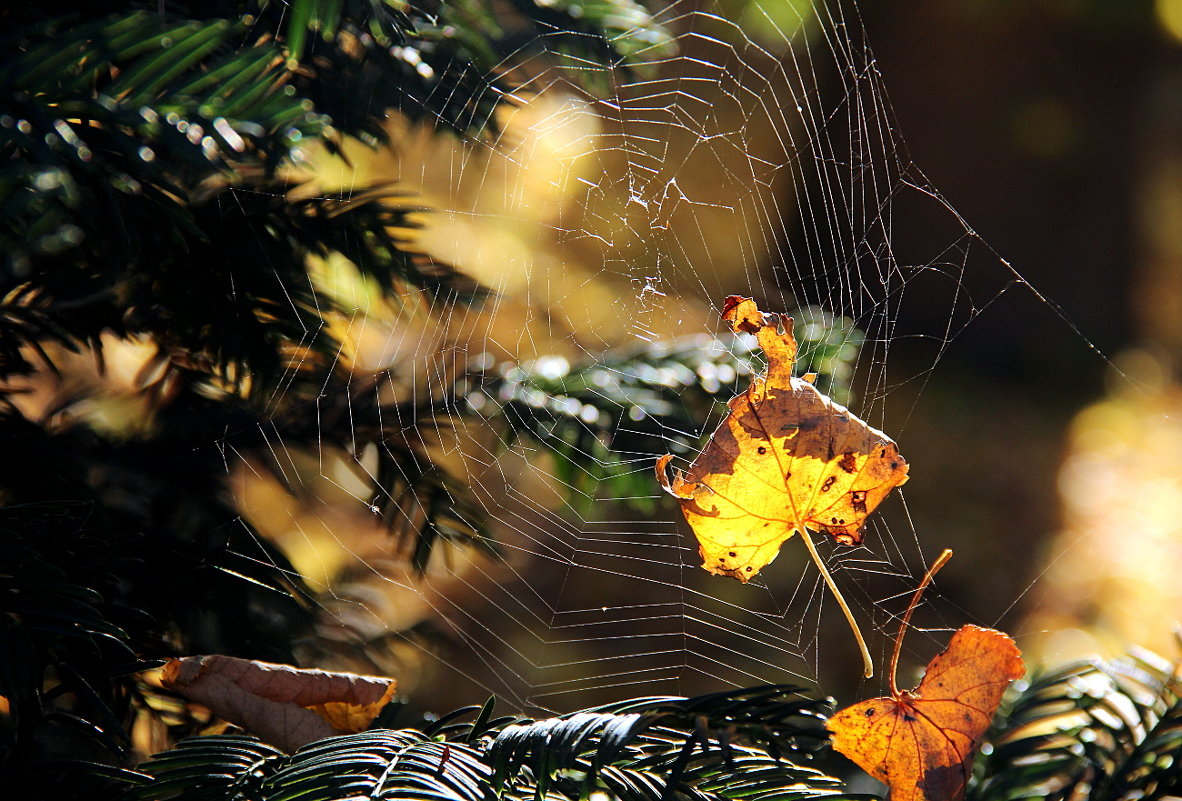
<point x="1045" y="436"/>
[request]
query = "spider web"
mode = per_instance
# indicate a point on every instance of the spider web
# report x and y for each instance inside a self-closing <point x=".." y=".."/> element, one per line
<point x="761" y="159"/>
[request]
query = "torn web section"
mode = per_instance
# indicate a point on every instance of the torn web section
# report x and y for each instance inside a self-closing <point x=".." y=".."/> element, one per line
<point x="760" y="159"/>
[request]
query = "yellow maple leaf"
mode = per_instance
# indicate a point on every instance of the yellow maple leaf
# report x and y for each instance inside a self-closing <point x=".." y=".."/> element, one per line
<point x="786" y="458"/>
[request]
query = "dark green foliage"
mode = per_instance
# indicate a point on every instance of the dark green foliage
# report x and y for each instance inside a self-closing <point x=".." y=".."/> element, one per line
<point x="1096" y="730"/>
<point x="138" y="157"/>
<point x="99" y="577"/>
<point x="140" y="196"/>
<point x="778" y="718"/>
<point x="50" y="615"/>
<point x="1085" y="731"/>
<point x="222" y="766"/>
<point x="639" y="750"/>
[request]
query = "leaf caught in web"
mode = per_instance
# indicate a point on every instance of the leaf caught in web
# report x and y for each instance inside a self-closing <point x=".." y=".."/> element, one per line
<point x="786" y="458"/>
<point x="921" y="742"/>
<point x="285" y="706"/>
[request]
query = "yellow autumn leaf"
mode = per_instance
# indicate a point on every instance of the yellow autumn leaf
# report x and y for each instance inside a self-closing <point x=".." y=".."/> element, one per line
<point x="786" y="458"/>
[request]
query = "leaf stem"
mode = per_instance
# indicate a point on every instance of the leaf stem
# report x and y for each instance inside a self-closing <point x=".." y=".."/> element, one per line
<point x="867" y="665"/>
<point x="941" y="560"/>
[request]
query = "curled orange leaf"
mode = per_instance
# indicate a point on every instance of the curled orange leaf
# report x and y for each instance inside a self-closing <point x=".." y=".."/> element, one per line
<point x="285" y="706"/>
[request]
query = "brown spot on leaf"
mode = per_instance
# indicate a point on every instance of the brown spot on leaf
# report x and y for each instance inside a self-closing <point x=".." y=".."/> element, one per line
<point x="858" y="501"/>
<point x="843" y="537"/>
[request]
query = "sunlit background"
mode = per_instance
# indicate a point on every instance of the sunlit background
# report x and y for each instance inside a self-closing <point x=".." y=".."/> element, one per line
<point x="1045" y="444"/>
<point x="1045" y="438"/>
<point x="1055" y="128"/>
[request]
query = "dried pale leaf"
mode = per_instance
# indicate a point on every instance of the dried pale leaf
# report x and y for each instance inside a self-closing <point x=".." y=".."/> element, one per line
<point x="922" y="742"/>
<point x="785" y="458"/>
<point x="283" y="705"/>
